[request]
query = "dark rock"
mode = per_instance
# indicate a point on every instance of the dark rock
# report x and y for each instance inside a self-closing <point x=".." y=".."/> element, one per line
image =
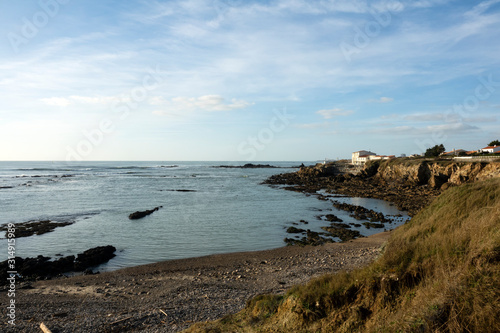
<point x="361" y="213"/>
<point x="340" y="225"/>
<point x="94" y="257"/>
<point x="43" y="268"/>
<point x="247" y="166"/>
<point x="180" y="190"/>
<point x="369" y="225"/>
<point x="333" y="218"/>
<point x="139" y="215"/>
<point x="312" y="238"/>
<point x="293" y="230"/>
<point x="64" y="264"/>
<point x="342" y="233"/>
<point x="26" y="229"/>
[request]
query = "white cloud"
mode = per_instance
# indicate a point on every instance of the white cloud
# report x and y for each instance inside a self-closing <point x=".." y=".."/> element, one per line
<point x="448" y="118"/>
<point x="386" y="99"/>
<point x="481" y="8"/>
<point x="328" y="114"/>
<point x="424" y="117"/>
<point x="382" y="100"/>
<point x="451" y="127"/>
<point x="202" y="103"/>
<point x="72" y="100"/>
<point x="311" y="125"/>
<point x="56" y="101"/>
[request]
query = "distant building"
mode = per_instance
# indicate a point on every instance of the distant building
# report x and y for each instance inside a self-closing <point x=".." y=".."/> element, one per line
<point x="361" y="157"/>
<point x="455" y="152"/>
<point x="490" y="150"/>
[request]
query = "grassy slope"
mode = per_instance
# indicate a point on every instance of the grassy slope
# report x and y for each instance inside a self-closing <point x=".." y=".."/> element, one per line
<point x="438" y="273"/>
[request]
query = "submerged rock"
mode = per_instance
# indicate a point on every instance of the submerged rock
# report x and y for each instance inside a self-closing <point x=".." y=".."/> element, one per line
<point x="139" y="215"/>
<point x="311" y="238"/>
<point x="247" y="166"/>
<point x="26" y="229"/>
<point x="342" y="233"/>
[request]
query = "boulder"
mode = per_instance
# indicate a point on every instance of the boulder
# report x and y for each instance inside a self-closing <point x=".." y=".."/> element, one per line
<point x="94" y="257"/>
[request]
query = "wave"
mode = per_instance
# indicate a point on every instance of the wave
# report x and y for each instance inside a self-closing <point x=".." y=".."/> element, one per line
<point x="43" y="169"/>
<point x="44" y="176"/>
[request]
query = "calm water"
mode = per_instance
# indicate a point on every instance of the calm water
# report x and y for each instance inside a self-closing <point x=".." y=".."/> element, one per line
<point x="228" y="210"/>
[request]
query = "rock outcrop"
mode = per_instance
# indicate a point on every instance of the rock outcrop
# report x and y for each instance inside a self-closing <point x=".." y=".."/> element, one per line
<point x="434" y="173"/>
<point x="42" y="267"/>
<point x="410" y="184"/>
<point x="140" y="214"/>
<point x="26" y="229"/>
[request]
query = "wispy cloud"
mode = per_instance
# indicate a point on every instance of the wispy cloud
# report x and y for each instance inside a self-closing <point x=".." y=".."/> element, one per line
<point x="424" y="117"/>
<point x="74" y="99"/>
<point x="202" y="103"/>
<point x="449" y="118"/>
<point x="312" y="125"/>
<point x="382" y="100"/>
<point x="453" y="128"/>
<point x="285" y="53"/>
<point x="332" y="113"/>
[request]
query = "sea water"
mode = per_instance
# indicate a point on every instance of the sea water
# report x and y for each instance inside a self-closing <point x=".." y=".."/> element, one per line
<point x="205" y="209"/>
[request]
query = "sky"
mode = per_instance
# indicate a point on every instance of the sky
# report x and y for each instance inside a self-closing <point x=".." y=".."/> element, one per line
<point x="221" y="80"/>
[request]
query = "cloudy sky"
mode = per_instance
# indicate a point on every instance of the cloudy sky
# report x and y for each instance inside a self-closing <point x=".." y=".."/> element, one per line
<point x="246" y="80"/>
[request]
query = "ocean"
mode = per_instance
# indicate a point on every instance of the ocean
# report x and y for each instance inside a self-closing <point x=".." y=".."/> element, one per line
<point x="206" y="210"/>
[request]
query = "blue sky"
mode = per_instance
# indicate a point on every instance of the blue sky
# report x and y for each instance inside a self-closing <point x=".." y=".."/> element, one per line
<point x="246" y="80"/>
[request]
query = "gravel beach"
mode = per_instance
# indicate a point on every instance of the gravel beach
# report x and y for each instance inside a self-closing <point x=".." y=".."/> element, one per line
<point x="170" y="296"/>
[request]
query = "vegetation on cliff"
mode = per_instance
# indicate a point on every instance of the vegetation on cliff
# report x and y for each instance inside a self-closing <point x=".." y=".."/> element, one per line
<point x="435" y="151"/>
<point x="440" y="272"/>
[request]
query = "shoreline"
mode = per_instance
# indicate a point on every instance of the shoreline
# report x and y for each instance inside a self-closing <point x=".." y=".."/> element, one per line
<point x="185" y="290"/>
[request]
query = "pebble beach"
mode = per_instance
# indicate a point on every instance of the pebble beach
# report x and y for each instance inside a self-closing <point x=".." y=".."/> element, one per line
<point x="172" y="295"/>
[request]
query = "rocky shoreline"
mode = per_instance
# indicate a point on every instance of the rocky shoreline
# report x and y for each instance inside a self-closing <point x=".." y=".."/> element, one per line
<point x="170" y="296"/>
<point x="29" y="270"/>
<point x="405" y="195"/>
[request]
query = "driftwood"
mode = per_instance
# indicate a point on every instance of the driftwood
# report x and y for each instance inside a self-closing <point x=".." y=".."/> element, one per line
<point x="44" y="328"/>
<point x="120" y="320"/>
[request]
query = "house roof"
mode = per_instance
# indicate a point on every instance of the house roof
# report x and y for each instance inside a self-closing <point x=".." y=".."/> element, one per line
<point x="455" y="151"/>
<point x="491" y="147"/>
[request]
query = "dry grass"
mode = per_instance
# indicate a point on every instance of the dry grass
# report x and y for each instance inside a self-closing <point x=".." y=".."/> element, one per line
<point x="438" y="273"/>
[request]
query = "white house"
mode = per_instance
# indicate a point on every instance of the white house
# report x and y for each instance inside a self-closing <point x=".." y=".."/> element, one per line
<point x="361" y="157"/>
<point x="490" y="149"/>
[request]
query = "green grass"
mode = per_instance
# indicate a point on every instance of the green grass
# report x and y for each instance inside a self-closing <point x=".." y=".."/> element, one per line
<point x="438" y="273"/>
